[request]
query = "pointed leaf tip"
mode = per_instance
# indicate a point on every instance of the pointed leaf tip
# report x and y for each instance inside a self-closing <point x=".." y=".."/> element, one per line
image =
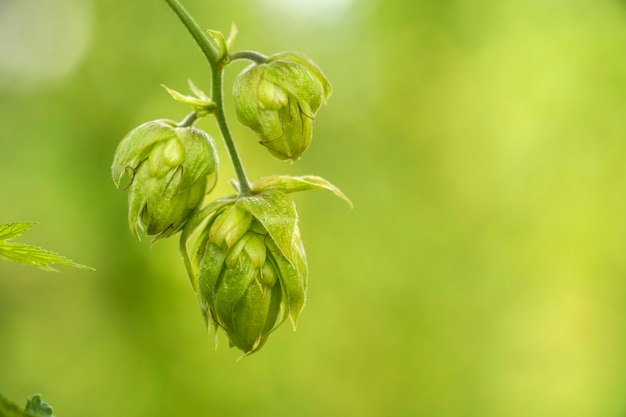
<point x="289" y="184"/>
<point x="14" y="229"/>
<point x="276" y="211"/>
<point x="28" y="254"/>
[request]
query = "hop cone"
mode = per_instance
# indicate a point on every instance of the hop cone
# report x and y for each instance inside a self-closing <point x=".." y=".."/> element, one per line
<point x="247" y="283"/>
<point x="279" y="100"/>
<point x="171" y="170"/>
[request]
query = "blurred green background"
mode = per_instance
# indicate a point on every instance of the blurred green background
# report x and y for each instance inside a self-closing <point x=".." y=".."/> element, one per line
<point x="481" y="272"/>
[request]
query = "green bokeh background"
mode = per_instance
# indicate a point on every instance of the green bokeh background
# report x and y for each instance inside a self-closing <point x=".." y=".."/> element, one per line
<point x="481" y="272"/>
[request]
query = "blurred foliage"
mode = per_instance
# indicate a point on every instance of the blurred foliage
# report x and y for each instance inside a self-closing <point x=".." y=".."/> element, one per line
<point x="35" y="407"/>
<point x="28" y="254"/>
<point x="481" y="273"/>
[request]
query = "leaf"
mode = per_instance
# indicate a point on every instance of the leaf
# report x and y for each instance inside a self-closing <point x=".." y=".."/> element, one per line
<point x="199" y="93"/>
<point x="185" y="99"/>
<point x="38" y="408"/>
<point x="201" y="103"/>
<point x="230" y="42"/>
<point x="28" y="254"/>
<point x="217" y="39"/>
<point x="277" y="213"/>
<point x="289" y="184"/>
<point x="14" y="229"/>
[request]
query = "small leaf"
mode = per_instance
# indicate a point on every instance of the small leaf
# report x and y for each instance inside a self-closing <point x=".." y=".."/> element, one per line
<point x="231" y="36"/>
<point x="28" y="254"/>
<point x="199" y="93"/>
<point x="277" y="213"/>
<point x="289" y="184"/>
<point x="217" y="38"/>
<point x="38" y="408"/>
<point x="201" y="104"/>
<point x="14" y="229"/>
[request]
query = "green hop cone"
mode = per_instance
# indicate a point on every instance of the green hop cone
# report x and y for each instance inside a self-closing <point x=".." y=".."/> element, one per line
<point x="279" y="100"/>
<point x="171" y="168"/>
<point x="249" y="266"/>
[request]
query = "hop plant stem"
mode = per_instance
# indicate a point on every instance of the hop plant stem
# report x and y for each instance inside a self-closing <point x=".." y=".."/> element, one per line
<point x="189" y="120"/>
<point x="218" y="97"/>
<point x="217" y="62"/>
<point x="209" y="49"/>
<point x="249" y="55"/>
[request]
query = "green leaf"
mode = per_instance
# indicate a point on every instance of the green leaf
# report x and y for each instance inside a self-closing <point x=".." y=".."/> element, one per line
<point x="201" y="103"/>
<point x="14" y="229"/>
<point x="199" y="93"/>
<point x="232" y="35"/>
<point x="28" y="254"/>
<point x="289" y="184"/>
<point x="277" y="213"/>
<point x="38" y="408"/>
<point x="217" y="38"/>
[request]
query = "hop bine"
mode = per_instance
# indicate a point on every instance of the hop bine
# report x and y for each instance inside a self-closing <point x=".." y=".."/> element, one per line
<point x="243" y="253"/>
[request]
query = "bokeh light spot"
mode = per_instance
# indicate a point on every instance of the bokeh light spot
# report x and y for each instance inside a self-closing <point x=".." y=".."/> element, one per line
<point x="318" y="10"/>
<point x="42" y="40"/>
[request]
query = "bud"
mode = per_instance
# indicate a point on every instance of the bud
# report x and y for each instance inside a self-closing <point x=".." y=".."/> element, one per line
<point x="246" y="284"/>
<point x="171" y="170"/>
<point x="279" y="100"/>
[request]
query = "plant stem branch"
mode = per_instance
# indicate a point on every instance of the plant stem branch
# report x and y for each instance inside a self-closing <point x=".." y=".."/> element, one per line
<point x="209" y="49"/>
<point x="218" y="98"/>
<point x="217" y="62"/>
<point x="253" y="56"/>
<point x="189" y="120"/>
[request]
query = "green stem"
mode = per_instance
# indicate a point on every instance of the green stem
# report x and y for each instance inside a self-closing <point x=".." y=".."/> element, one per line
<point x="209" y="49"/>
<point x="253" y="56"/>
<point x="189" y="120"/>
<point x="218" y="98"/>
<point x="217" y="62"/>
